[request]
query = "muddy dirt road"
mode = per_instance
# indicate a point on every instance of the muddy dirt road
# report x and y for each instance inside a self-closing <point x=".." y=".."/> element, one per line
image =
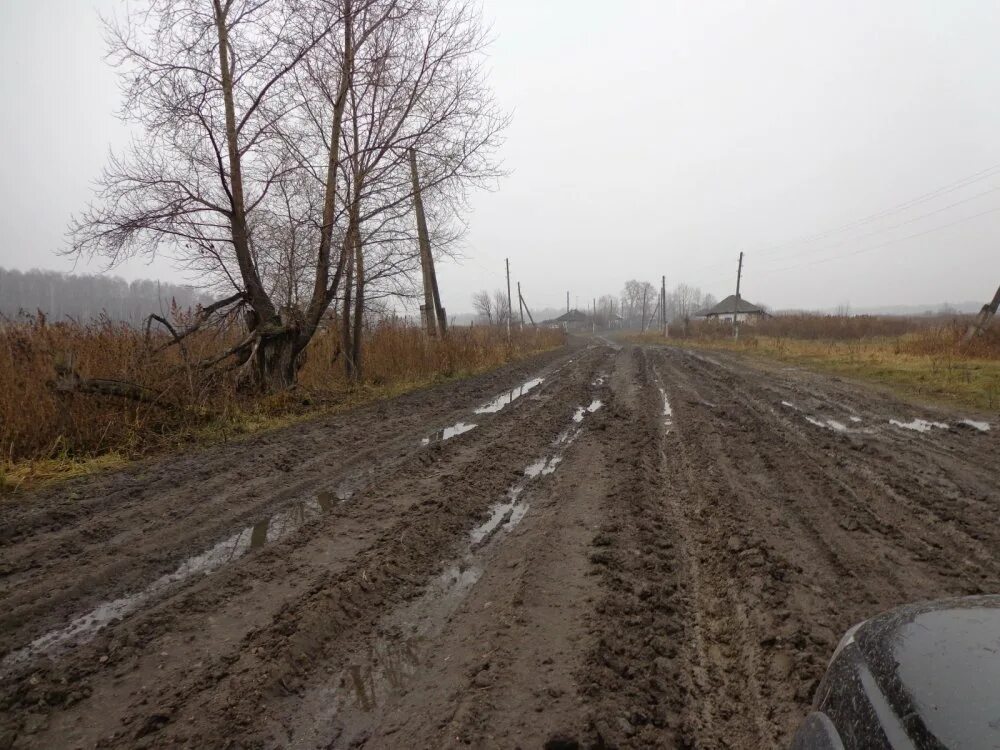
<point x="602" y="546"/>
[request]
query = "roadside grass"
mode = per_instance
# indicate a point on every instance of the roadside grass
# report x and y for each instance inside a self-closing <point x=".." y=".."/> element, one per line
<point x="47" y="437"/>
<point x="927" y="364"/>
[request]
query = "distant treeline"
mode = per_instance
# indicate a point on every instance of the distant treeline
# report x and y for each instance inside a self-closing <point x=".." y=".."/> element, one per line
<point x="60" y="296"/>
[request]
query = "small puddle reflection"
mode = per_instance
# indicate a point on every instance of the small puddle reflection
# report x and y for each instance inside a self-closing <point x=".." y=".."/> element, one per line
<point x="398" y="654"/>
<point x="448" y="433"/>
<point x="668" y="412"/>
<point x="981" y="426"/>
<point x="84" y="627"/>
<point x="919" y="425"/>
<point x="509" y="397"/>
<point x="542" y="467"/>
<point x="836" y="425"/>
<point x="388" y="661"/>
<point x="583" y="411"/>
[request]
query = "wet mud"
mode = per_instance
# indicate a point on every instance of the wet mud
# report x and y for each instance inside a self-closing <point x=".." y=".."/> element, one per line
<point x="605" y="546"/>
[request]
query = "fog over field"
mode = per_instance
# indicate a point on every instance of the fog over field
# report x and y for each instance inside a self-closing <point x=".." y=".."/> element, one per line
<point x="657" y="138"/>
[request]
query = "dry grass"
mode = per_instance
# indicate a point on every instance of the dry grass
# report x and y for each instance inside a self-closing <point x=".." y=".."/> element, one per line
<point x="45" y="434"/>
<point x="916" y="357"/>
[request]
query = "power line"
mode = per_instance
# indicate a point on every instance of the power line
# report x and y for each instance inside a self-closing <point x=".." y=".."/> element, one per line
<point x="808" y="239"/>
<point x="963" y="182"/>
<point x="912" y="220"/>
<point x="886" y="244"/>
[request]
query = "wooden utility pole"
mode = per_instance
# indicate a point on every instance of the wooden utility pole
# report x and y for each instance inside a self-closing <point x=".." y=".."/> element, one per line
<point x="510" y="309"/>
<point x="520" y="303"/>
<point x="567" y="301"/>
<point x="525" y="304"/>
<point x="646" y="324"/>
<point x="736" y="304"/>
<point x="432" y="307"/>
<point x="593" y="327"/>
<point x="983" y="319"/>
<point x="642" y="321"/>
<point x="663" y="296"/>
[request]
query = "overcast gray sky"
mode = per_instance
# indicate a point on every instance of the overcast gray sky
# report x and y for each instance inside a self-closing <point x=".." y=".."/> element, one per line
<point x="648" y="138"/>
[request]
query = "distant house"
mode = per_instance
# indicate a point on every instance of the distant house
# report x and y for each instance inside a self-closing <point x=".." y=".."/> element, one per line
<point x="574" y="320"/>
<point x="733" y="306"/>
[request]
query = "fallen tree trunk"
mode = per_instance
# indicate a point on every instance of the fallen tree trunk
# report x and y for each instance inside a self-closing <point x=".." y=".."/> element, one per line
<point x="69" y="381"/>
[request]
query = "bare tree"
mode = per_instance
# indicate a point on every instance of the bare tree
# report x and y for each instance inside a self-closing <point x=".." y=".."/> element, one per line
<point x="501" y="307"/>
<point x="633" y="295"/>
<point x="272" y="152"/>
<point x="482" y="303"/>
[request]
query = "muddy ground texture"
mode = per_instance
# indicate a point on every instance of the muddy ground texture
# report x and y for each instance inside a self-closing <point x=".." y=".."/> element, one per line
<point x="604" y="546"/>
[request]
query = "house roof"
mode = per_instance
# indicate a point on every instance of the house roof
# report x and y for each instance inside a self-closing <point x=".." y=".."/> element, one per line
<point x="573" y="316"/>
<point x="732" y="304"/>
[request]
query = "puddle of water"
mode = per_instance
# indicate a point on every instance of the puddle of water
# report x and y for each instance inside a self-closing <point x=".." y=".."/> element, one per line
<point x="504" y="399"/>
<point x="84" y="627"/>
<point x="448" y="433"/>
<point x="542" y="467"/>
<point x="668" y="412"/>
<point x="790" y="405"/>
<point x="500" y="513"/>
<point x="391" y="660"/>
<point x="981" y="426"/>
<point x="582" y="411"/>
<point x="517" y="514"/>
<point x="919" y="425"/>
<point x="832" y="424"/>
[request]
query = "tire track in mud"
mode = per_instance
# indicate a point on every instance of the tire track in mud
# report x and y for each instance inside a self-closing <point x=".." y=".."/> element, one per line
<point x="719" y="648"/>
<point x="885" y="471"/>
<point x="318" y="598"/>
<point x="795" y="491"/>
<point x="49" y="562"/>
<point x="494" y="666"/>
<point x="636" y="678"/>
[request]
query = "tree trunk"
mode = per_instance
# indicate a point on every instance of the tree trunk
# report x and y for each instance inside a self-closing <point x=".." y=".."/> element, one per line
<point x="347" y="345"/>
<point x="276" y="361"/>
<point x="359" y="307"/>
<point x="323" y="290"/>
<point x="266" y="314"/>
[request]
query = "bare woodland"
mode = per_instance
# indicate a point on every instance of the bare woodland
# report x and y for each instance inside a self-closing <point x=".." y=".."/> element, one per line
<point x="274" y="158"/>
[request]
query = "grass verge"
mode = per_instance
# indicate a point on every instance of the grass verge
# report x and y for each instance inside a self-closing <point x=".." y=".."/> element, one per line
<point x="942" y="377"/>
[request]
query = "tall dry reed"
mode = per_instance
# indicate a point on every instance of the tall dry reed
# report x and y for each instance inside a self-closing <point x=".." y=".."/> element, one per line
<point x="39" y="422"/>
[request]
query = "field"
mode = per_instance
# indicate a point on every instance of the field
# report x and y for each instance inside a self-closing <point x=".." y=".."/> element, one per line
<point x="46" y="434"/>
<point x="600" y="545"/>
<point x="922" y="358"/>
